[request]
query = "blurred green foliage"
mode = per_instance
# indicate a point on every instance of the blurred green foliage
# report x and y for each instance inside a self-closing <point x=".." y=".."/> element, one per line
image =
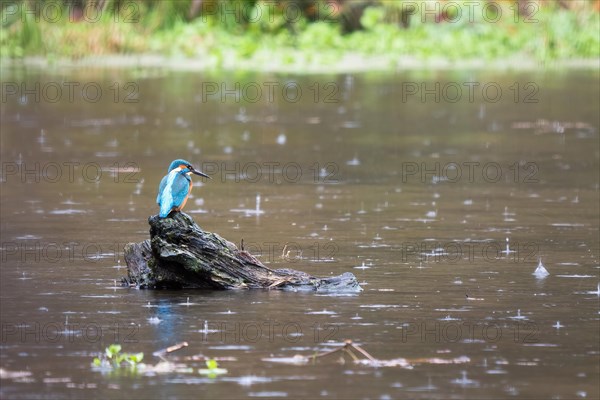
<point x="113" y="358"/>
<point x="288" y="31"/>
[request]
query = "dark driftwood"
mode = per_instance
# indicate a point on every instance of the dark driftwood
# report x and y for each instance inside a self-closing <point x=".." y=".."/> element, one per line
<point x="179" y="254"/>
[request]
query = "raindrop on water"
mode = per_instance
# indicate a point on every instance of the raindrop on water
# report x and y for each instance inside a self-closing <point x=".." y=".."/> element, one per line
<point x="558" y="325"/>
<point x="541" y="271"/>
<point x="281" y="139"/>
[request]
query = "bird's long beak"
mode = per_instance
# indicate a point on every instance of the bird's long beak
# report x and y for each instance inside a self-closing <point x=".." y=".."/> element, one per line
<point x="199" y="173"/>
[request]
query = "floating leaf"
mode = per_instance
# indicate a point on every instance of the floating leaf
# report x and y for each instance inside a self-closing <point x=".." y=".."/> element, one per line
<point x="113" y="350"/>
<point x="113" y="353"/>
<point x="212" y="364"/>
<point x="137" y="357"/>
<point x="213" y="369"/>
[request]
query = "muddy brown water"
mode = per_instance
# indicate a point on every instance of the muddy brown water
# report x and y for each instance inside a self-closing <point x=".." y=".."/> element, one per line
<point x="415" y="188"/>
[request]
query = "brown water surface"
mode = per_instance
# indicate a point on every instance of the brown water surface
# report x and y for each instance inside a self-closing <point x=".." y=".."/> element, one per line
<point x="418" y="196"/>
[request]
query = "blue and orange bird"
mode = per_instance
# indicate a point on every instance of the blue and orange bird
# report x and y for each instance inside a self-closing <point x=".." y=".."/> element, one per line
<point x="176" y="186"/>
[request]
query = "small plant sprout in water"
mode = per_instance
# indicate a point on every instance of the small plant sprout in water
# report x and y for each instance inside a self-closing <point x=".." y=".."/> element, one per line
<point x="113" y="358"/>
<point x="212" y="369"/>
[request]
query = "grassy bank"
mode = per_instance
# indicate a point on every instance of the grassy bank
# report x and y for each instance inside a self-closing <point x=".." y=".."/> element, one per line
<point x="262" y="33"/>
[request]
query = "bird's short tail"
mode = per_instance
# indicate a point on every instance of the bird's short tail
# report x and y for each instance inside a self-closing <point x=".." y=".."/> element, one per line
<point x="165" y="209"/>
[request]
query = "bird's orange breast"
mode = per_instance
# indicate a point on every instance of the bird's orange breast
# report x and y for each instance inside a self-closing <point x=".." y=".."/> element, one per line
<point x="186" y="197"/>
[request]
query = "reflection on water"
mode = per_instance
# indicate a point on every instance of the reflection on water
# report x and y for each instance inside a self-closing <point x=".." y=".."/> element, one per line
<point x="472" y="225"/>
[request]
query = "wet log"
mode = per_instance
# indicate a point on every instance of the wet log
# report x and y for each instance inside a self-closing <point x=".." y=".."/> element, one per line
<point x="179" y="254"/>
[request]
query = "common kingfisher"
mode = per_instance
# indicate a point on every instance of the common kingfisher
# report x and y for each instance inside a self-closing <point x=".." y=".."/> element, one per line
<point x="176" y="186"/>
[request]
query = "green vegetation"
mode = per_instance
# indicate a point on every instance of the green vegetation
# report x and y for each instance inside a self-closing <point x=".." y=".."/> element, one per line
<point x="212" y="369"/>
<point x="117" y="364"/>
<point x="266" y="33"/>
<point x="113" y="358"/>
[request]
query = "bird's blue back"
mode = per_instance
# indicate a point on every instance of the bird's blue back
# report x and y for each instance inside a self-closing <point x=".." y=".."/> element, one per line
<point x="173" y="190"/>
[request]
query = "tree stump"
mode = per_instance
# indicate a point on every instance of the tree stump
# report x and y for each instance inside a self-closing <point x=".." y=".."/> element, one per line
<point x="179" y="254"/>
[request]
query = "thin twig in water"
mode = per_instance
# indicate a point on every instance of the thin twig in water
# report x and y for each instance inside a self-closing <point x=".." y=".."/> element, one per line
<point x="285" y="255"/>
<point x="363" y="352"/>
<point x="161" y="353"/>
<point x="278" y="283"/>
<point x="347" y="348"/>
<point x="349" y="351"/>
